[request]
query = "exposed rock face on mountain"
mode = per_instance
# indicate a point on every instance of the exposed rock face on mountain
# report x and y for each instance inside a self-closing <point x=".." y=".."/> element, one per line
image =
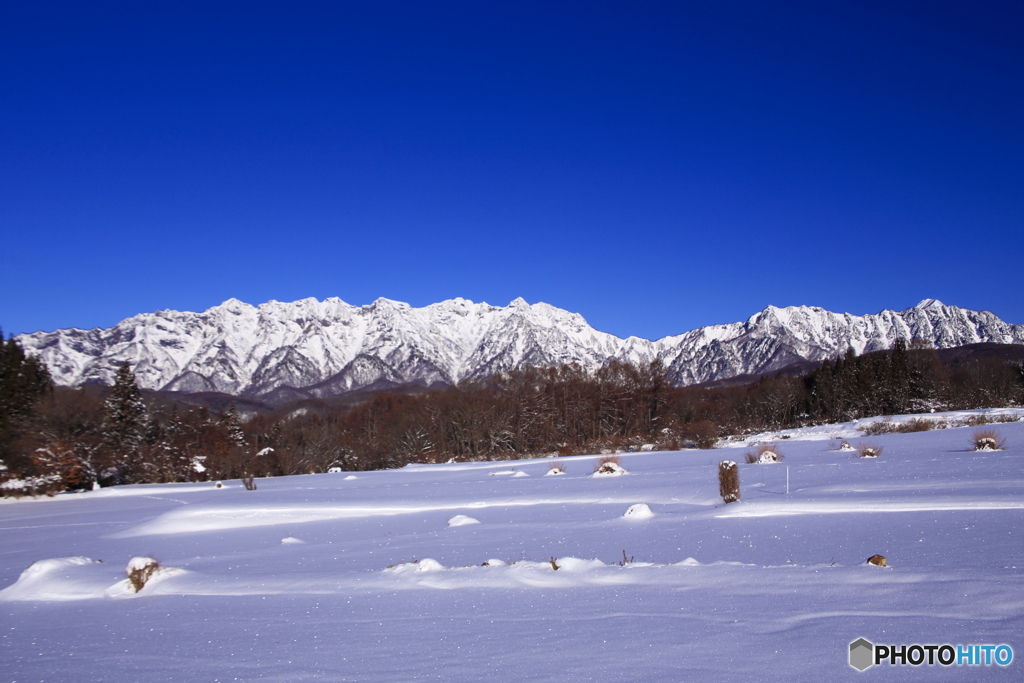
<point x="283" y="351"/>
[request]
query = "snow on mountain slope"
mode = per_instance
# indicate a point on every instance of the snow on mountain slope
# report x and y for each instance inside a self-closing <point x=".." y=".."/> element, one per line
<point x="325" y="348"/>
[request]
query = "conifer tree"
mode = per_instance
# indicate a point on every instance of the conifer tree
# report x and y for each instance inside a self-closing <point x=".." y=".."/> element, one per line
<point x="899" y="379"/>
<point x="233" y="424"/>
<point x="23" y="380"/>
<point x="124" y="425"/>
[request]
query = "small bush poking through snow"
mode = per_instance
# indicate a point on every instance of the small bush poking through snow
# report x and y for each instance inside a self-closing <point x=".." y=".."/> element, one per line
<point x="877" y="560"/>
<point x="140" y="570"/>
<point x="846" y="446"/>
<point x="249" y="482"/>
<point x="554" y="469"/>
<point x="869" y="450"/>
<point x="729" y="481"/>
<point x="608" y="467"/>
<point x="764" y="454"/>
<point x="987" y="440"/>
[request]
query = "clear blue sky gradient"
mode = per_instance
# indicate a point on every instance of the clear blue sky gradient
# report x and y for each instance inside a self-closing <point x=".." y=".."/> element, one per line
<point x="653" y="166"/>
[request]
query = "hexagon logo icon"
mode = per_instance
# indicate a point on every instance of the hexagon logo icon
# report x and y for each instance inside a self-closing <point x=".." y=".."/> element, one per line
<point x="862" y="654"/>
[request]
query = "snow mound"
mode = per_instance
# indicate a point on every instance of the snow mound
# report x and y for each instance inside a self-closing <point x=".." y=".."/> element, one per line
<point x="688" y="562"/>
<point x="609" y="469"/>
<point x="503" y="473"/>
<point x="495" y="563"/>
<point x="638" y="511"/>
<point x="291" y="540"/>
<point x="575" y="564"/>
<point x="554" y="471"/>
<point x="50" y="580"/>
<point x="462" y="520"/>
<point x="351" y="476"/>
<point x="520" y="474"/>
<point x="424" y="565"/>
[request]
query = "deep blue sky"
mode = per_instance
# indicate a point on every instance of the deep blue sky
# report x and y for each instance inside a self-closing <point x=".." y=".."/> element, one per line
<point x="653" y="166"/>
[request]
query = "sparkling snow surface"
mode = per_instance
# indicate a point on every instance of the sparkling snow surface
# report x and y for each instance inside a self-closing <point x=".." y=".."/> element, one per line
<point x="390" y="583"/>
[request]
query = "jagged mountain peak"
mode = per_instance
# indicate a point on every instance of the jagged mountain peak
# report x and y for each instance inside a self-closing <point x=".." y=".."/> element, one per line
<point x="320" y="348"/>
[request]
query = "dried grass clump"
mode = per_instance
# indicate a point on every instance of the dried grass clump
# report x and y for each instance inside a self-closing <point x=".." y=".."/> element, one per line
<point x="608" y="465"/>
<point x="876" y="428"/>
<point x="986" y="419"/>
<point x="729" y="481"/>
<point x="140" y="570"/>
<point x="918" y="424"/>
<point x="556" y="468"/>
<point x="987" y="440"/>
<point x="877" y="560"/>
<point x="764" y="454"/>
<point x="866" y="449"/>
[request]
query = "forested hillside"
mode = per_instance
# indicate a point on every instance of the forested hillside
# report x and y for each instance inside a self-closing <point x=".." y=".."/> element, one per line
<point x="57" y="438"/>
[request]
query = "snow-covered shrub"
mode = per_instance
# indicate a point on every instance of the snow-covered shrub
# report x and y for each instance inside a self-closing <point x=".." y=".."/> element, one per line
<point x="555" y="468"/>
<point x="764" y="454"/>
<point x="868" y="450"/>
<point x="729" y="481"/>
<point x="46" y="485"/>
<point x="987" y="440"/>
<point x="846" y="446"/>
<point x="608" y="466"/>
<point x="140" y="570"/>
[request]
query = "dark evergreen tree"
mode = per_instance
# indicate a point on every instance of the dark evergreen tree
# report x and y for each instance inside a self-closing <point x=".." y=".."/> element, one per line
<point x="124" y="428"/>
<point x="899" y="379"/>
<point x="233" y="424"/>
<point x="23" y="380"/>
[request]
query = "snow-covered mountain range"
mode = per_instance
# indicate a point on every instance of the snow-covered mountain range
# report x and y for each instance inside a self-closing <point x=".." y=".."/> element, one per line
<point x="309" y="348"/>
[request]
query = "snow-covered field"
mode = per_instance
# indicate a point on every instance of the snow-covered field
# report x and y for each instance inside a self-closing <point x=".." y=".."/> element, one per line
<point x="446" y="572"/>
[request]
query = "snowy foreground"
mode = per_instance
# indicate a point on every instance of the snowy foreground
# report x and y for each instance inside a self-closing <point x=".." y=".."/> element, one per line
<point x="381" y="576"/>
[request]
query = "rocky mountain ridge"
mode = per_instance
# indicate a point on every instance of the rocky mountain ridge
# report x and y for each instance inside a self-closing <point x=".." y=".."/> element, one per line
<point x="279" y="352"/>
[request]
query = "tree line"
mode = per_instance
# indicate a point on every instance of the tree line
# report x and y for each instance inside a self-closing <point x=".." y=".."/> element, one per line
<point x="60" y="438"/>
